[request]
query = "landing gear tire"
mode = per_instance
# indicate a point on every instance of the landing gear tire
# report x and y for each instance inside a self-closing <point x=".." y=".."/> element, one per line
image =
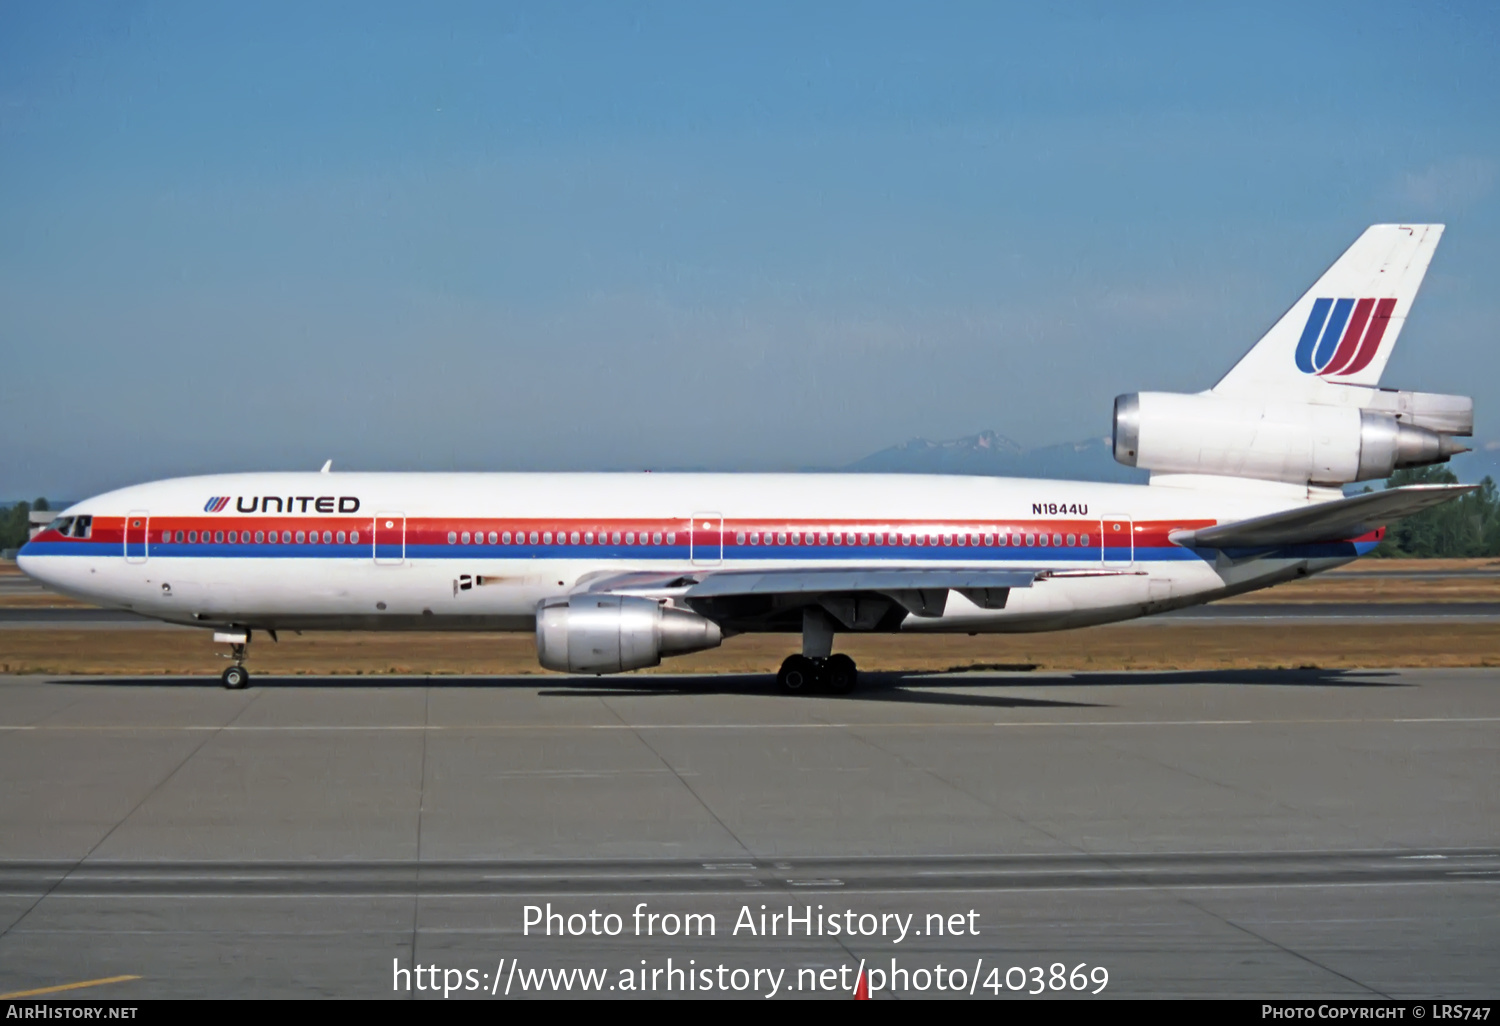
<point x="235" y="678"/>
<point x="840" y="677"/>
<point x="799" y="676"/>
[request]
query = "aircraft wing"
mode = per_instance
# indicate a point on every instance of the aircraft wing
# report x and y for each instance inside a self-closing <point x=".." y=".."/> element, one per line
<point x="860" y="597"/>
<point x="1338" y="520"/>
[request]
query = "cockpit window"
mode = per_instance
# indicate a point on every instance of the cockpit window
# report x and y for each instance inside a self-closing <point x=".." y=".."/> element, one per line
<point x="62" y="525"/>
<point x="83" y="526"/>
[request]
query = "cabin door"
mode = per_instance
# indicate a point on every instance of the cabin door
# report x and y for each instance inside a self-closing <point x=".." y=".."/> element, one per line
<point x="390" y="538"/>
<point x="1116" y="541"/>
<point x="706" y="539"/>
<point x="137" y="530"/>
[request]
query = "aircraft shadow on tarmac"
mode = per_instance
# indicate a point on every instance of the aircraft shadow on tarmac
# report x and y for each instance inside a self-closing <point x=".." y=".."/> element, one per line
<point x="1306" y="676"/>
<point x="873" y="687"/>
<point x="922" y="688"/>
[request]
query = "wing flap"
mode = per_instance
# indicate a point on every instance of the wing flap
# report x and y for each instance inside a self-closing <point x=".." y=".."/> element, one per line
<point x="1338" y="520"/>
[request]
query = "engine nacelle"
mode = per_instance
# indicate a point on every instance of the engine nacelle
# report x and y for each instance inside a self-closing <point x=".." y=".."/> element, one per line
<point x="613" y="633"/>
<point x="1296" y="442"/>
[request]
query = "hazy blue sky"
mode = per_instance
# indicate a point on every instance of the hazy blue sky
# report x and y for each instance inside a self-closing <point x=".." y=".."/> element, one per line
<point x="247" y="236"/>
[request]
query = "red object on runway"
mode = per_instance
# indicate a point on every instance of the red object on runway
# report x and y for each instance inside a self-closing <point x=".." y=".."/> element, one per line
<point x="862" y="987"/>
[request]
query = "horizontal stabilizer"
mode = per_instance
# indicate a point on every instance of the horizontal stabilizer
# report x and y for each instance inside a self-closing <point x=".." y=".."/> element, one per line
<point x="1338" y="520"/>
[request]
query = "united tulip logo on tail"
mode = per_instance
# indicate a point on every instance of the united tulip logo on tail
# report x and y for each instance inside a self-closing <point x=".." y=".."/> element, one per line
<point x="1342" y="336"/>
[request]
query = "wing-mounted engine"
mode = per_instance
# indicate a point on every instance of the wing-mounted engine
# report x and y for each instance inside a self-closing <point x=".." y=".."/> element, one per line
<point x="1376" y="432"/>
<point x="600" y="633"/>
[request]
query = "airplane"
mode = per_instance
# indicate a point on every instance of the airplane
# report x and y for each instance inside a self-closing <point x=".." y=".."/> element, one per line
<point x="614" y="572"/>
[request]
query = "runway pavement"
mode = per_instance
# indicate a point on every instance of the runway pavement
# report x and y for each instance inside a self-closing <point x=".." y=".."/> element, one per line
<point x="1263" y="834"/>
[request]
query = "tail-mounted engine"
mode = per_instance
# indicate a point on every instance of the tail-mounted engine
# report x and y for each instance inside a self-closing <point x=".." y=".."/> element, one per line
<point x="1301" y="443"/>
<point x="612" y="633"/>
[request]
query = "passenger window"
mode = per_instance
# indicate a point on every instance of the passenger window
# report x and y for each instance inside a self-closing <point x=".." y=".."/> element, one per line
<point x="656" y="538"/>
<point x="193" y="537"/>
<point x="505" y="538"/>
<point x="452" y="537"/>
<point x="822" y="538"/>
<point x="615" y="538"/>
<point x="286" y="537"/>
<point x="1072" y="539"/>
<point x="671" y="537"/>
<point x="327" y="537"/>
<point x="754" y="537"/>
<point x="1084" y="540"/>
<point x="353" y="537"/>
<point x="492" y="537"/>
<point x="629" y="537"/>
<point x="464" y="538"/>
<point x="864" y="539"/>
<point x="796" y="537"/>
<point x="260" y="537"/>
<point x="739" y="538"/>
<point x="166" y="536"/>
<point x="588" y="537"/>
<point x="780" y="538"/>
<point x="218" y="537"/>
<point x="342" y="537"/>
<point x="546" y="537"/>
<point x="1031" y="539"/>
<point x="989" y="540"/>
<point x="1057" y="540"/>
<point x="233" y="537"/>
<point x="947" y="539"/>
<point x="301" y="537"/>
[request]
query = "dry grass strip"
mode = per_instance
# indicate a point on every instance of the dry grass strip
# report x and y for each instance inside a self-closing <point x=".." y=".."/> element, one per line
<point x="1146" y="647"/>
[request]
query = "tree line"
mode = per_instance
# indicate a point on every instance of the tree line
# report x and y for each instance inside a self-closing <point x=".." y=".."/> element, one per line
<point x="1468" y="526"/>
<point x="15" y="521"/>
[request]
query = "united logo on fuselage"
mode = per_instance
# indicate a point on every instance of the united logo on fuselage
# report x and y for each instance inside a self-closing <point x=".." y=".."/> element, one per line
<point x="216" y="504"/>
<point x="1342" y="336"/>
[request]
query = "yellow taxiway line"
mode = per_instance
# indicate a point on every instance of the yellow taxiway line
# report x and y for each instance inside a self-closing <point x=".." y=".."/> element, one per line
<point x="38" y="992"/>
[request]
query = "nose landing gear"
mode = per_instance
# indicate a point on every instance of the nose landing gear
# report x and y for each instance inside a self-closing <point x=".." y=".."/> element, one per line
<point x="236" y="676"/>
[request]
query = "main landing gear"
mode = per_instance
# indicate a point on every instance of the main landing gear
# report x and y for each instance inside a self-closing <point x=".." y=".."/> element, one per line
<point x="816" y="669"/>
<point x="236" y="676"/>
<point x="803" y="675"/>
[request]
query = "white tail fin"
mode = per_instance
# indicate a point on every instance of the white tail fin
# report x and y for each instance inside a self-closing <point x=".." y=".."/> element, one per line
<point x="1343" y="331"/>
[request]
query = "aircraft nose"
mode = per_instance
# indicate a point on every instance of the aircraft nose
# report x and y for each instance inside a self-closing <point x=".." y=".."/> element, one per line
<point x="29" y="563"/>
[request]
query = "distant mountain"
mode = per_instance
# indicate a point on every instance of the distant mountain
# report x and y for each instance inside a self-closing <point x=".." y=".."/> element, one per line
<point x="994" y="455"/>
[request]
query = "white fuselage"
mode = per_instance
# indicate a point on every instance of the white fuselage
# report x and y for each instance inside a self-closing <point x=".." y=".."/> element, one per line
<point x="480" y="551"/>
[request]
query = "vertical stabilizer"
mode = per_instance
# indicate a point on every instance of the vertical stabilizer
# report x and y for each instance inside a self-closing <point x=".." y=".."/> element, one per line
<point x="1343" y="330"/>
